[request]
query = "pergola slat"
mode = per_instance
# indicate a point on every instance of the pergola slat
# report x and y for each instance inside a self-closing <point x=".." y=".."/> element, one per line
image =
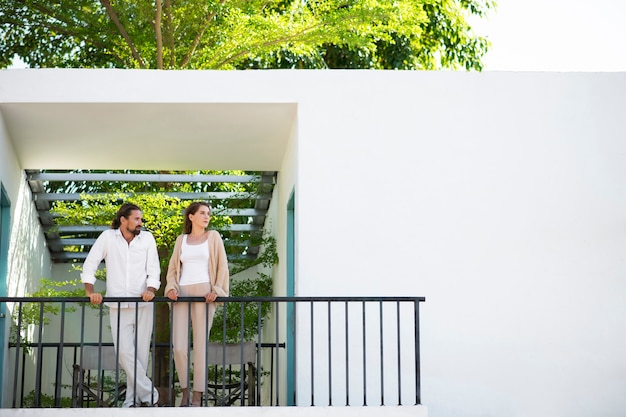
<point x="99" y="229"/>
<point x="81" y="256"/>
<point x="247" y="212"/>
<point x="153" y="178"/>
<point x="218" y="195"/>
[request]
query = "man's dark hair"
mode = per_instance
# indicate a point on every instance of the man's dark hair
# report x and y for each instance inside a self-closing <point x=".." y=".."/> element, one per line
<point x="124" y="211"/>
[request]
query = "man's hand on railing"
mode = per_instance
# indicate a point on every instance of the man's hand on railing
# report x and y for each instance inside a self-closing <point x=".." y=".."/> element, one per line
<point x="148" y="294"/>
<point x="95" y="298"/>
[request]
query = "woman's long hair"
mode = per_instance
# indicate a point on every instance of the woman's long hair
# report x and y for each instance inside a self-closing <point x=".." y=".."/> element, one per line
<point x="192" y="209"/>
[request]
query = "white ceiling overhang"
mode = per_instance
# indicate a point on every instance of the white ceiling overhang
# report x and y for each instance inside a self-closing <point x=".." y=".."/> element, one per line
<point x="173" y="136"/>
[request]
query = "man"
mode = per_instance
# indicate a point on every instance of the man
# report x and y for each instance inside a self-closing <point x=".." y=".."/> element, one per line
<point x="132" y="270"/>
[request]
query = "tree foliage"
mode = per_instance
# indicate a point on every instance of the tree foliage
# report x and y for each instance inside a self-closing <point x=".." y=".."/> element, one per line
<point x="219" y="34"/>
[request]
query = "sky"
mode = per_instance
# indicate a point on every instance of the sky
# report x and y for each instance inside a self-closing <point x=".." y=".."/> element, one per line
<point x="552" y="35"/>
<point x="555" y="35"/>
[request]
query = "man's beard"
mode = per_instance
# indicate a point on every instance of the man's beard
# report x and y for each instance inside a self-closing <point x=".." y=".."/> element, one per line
<point x="134" y="231"/>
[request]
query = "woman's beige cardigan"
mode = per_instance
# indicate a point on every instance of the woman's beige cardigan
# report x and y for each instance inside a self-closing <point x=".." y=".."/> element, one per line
<point x="218" y="266"/>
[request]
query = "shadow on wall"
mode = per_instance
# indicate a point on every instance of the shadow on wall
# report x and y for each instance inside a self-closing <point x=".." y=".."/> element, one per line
<point x="29" y="260"/>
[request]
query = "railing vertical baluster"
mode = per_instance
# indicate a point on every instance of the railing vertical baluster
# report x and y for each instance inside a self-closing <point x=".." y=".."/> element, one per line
<point x="277" y="309"/>
<point x="347" y="356"/>
<point x="399" y="353"/>
<point x="39" y="358"/>
<point x="57" y="381"/>
<point x="18" y="345"/>
<point x="224" y="338"/>
<point x="364" y="358"/>
<point x="189" y="387"/>
<point x="23" y="381"/>
<point x="205" y="393"/>
<point x="330" y="360"/>
<point x="79" y="400"/>
<point x="272" y="377"/>
<point x="170" y="356"/>
<point x="153" y="350"/>
<point x="100" y="327"/>
<point x="382" y="358"/>
<point x="257" y="380"/>
<point x="117" y="351"/>
<point x="243" y="364"/>
<point x="312" y="356"/>
<point x="117" y="340"/>
<point x="136" y="399"/>
<point x="418" y="395"/>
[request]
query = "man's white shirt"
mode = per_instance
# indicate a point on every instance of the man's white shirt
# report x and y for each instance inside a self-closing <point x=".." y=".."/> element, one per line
<point x="130" y="268"/>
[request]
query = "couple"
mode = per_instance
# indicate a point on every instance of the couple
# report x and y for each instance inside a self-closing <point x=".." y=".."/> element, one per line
<point x="198" y="267"/>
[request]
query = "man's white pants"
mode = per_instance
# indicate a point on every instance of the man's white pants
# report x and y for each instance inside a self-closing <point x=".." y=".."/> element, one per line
<point x="134" y="361"/>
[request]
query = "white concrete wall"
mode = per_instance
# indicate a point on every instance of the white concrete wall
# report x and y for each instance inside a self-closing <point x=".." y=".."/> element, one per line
<point x="497" y="196"/>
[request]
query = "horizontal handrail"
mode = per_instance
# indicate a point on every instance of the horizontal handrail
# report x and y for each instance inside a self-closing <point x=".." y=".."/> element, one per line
<point x="222" y="299"/>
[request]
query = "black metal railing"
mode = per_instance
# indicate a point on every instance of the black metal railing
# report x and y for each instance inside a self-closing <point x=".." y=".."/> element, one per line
<point x="326" y="351"/>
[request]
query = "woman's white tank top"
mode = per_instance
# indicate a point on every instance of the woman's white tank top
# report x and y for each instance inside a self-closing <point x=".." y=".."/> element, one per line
<point x="195" y="263"/>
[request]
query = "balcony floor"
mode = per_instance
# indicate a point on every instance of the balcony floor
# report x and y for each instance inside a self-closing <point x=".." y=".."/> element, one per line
<point x="374" y="411"/>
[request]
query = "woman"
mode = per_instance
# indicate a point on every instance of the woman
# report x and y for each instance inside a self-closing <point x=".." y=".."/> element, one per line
<point x="198" y="268"/>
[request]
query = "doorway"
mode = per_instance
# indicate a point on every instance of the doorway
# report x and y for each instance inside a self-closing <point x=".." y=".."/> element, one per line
<point x="5" y="221"/>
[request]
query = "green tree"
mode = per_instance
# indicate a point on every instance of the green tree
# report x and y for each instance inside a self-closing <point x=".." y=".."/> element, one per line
<point x="215" y="34"/>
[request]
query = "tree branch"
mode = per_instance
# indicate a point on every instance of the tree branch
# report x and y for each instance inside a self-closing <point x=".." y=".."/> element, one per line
<point x="167" y="6"/>
<point x="198" y="37"/>
<point x="120" y="27"/>
<point x="157" y="33"/>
